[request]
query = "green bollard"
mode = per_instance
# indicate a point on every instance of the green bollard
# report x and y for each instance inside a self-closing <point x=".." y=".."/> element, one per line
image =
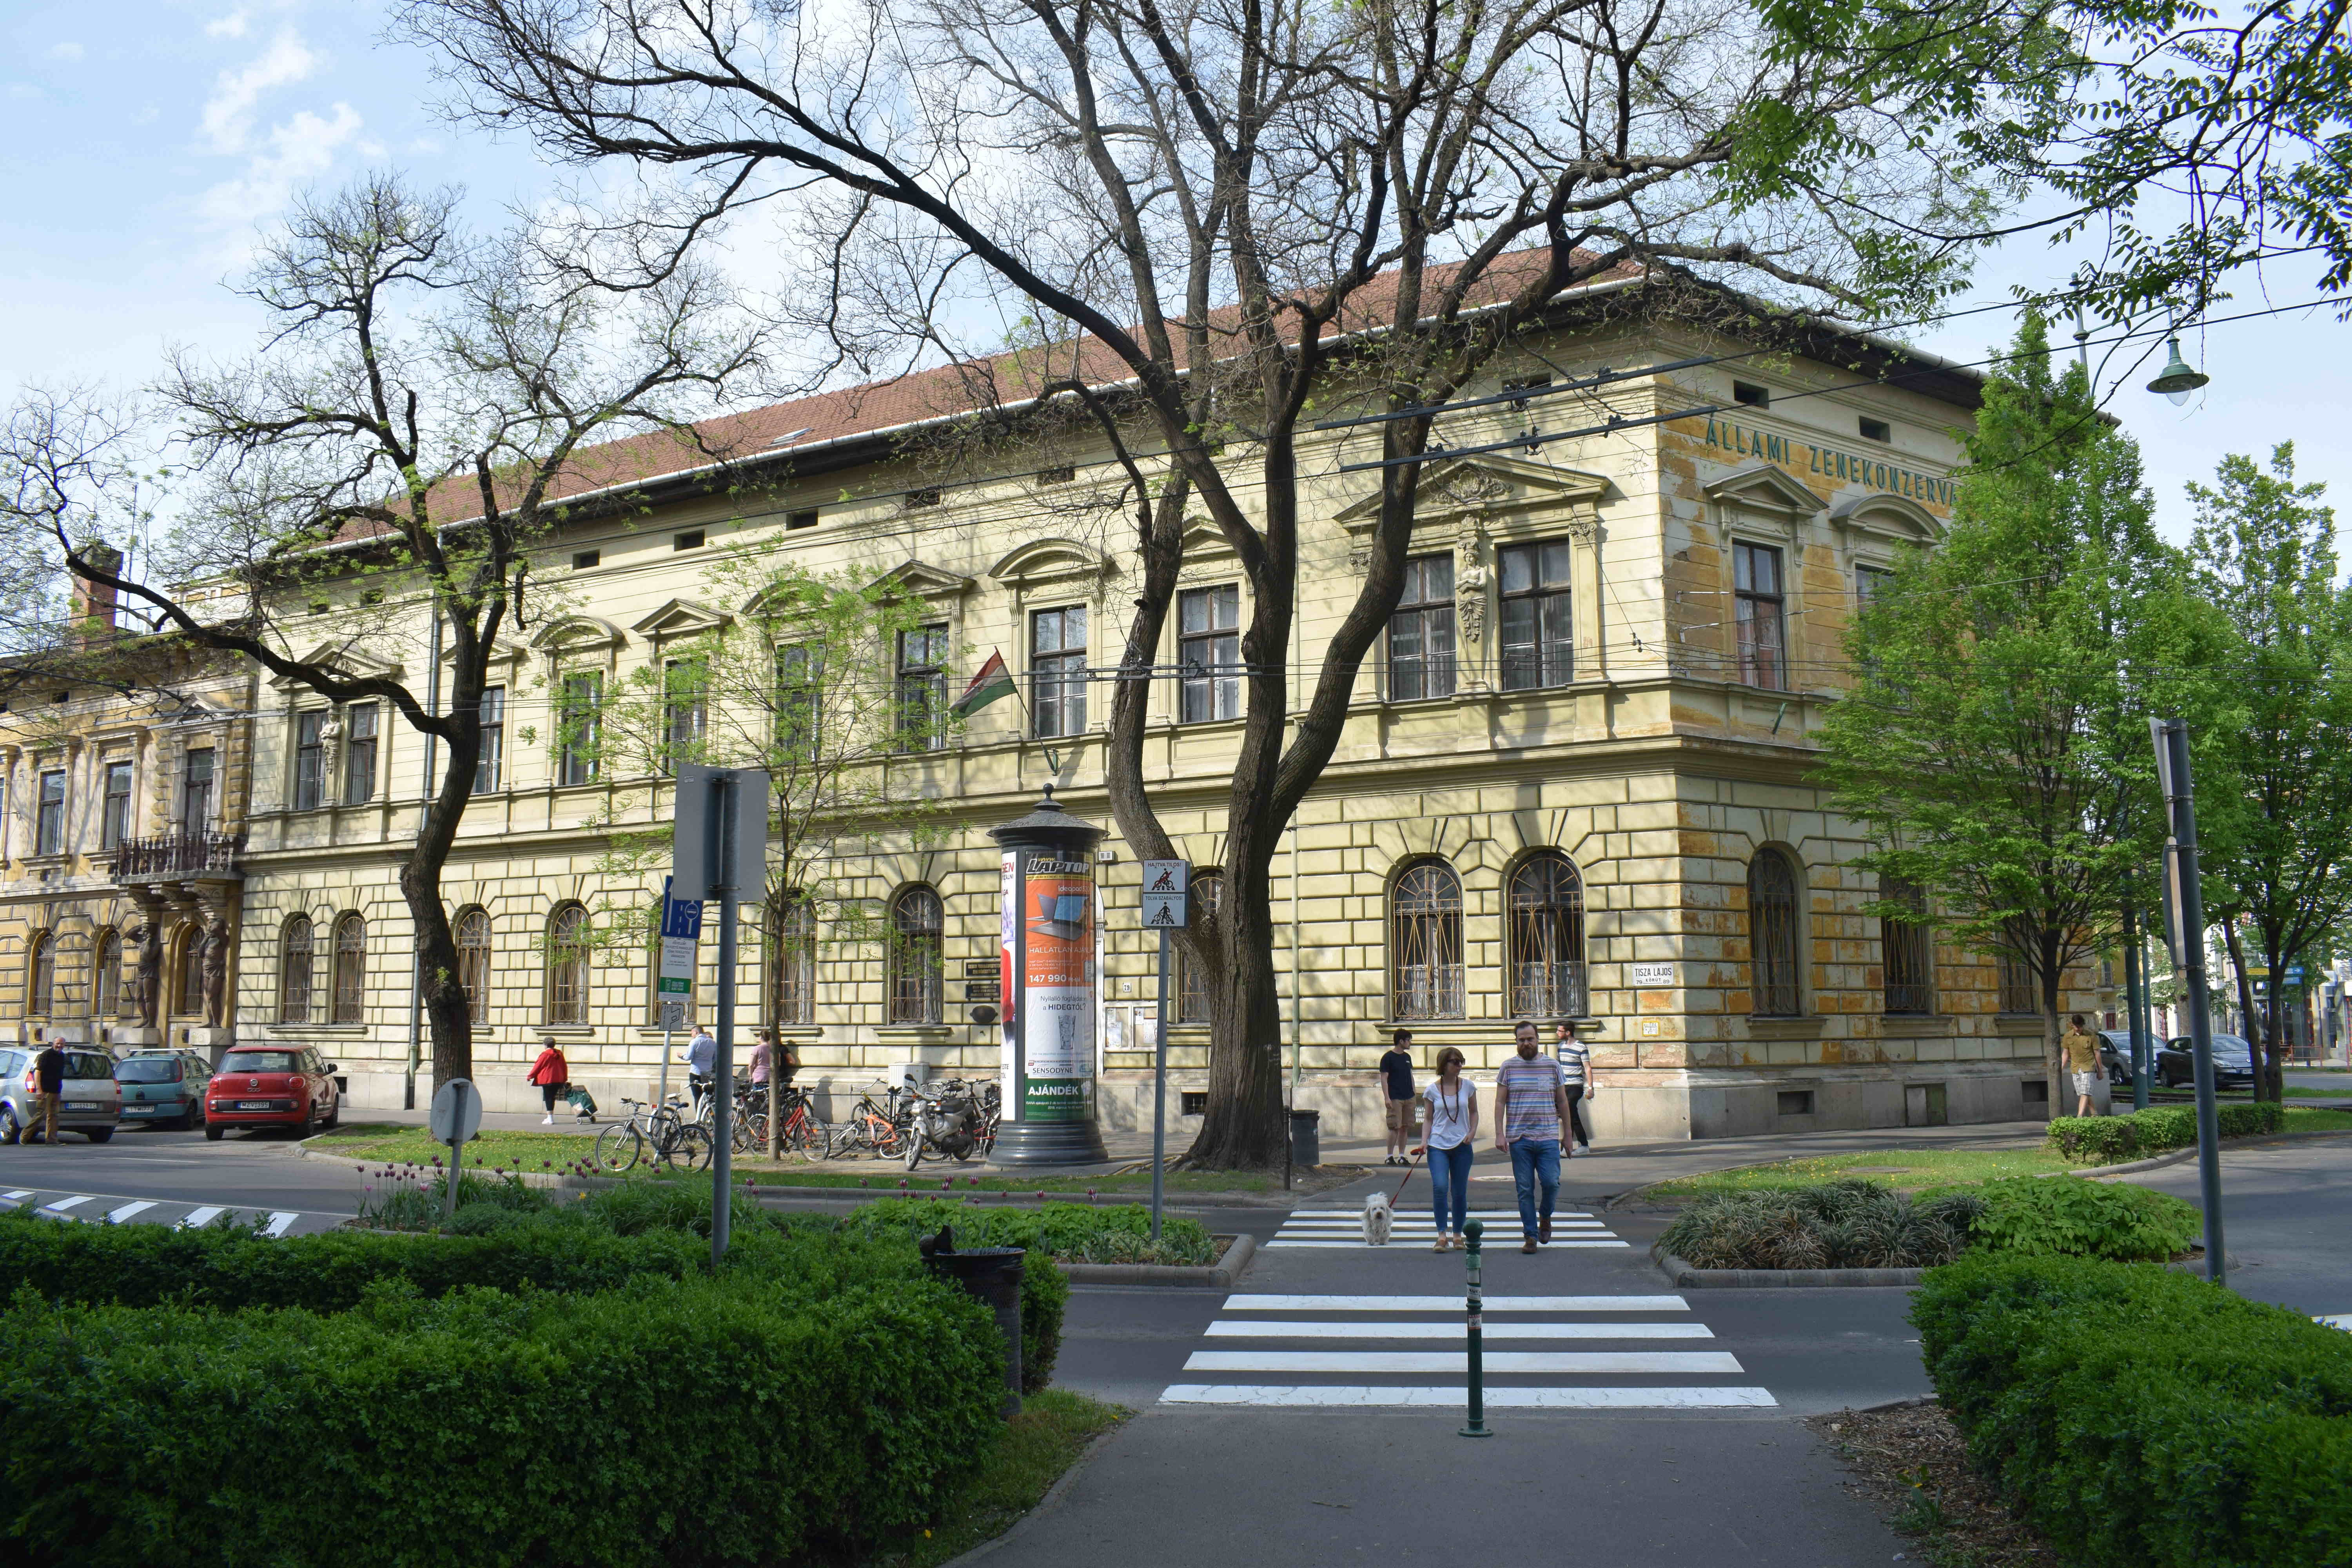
<point x="1477" y="1424"/>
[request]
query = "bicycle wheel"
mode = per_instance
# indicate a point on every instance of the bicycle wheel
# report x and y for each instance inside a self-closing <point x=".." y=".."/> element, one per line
<point x="619" y="1147"/>
<point x="691" y="1150"/>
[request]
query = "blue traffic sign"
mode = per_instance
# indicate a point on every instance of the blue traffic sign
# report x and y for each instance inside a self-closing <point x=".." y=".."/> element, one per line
<point x="680" y="917"/>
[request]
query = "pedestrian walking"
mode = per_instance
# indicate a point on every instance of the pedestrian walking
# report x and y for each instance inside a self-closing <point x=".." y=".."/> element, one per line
<point x="1575" y="1060"/>
<point x="2083" y="1060"/>
<point x="701" y="1064"/>
<point x="763" y="1054"/>
<point x="50" y="1076"/>
<point x="1396" y="1078"/>
<point x="1530" y="1108"/>
<point x="552" y="1074"/>
<point x="1453" y="1140"/>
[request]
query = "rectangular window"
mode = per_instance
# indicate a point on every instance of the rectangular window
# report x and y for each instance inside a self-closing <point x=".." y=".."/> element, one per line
<point x="311" y="760"/>
<point x="1057" y="671"/>
<point x="359" y="754"/>
<point x="690" y="540"/>
<point x="1869" y="582"/>
<point x="929" y="495"/>
<point x="1208" y="650"/>
<point x="1758" y="600"/>
<point x="49" y="823"/>
<point x="1537" y="645"/>
<point x="494" y="740"/>
<point x="799" y="520"/>
<point x="1877" y="429"/>
<point x="196" y="794"/>
<point x="2017" y="987"/>
<point x="1421" y="633"/>
<point x="580" y="728"/>
<point x="1750" y="395"/>
<point x="583" y="559"/>
<point x="922" y="689"/>
<point x="800" y="675"/>
<point x="114" y="825"/>
<point x="686" y="712"/>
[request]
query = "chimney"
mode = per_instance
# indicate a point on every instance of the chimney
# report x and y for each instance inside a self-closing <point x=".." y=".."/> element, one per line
<point x="93" y="603"/>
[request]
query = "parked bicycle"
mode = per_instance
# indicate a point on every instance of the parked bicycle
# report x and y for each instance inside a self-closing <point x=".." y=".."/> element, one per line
<point x="876" y="1126"/>
<point x="798" y="1129"/>
<point x="658" y="1135"/>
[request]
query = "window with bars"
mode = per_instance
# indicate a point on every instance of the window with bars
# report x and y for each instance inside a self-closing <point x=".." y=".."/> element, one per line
<point x="106" y="991"/>
<point x="1906" y="950"/>
<point x="686" y="712"/>
<point x="922" y="689"/>
<point x="1208" y="650"/>
<point x="196" y="792"/>
<point x="918" y="929"/>
<point x="1758" y="604"/>
<point x="2018" y="994"/>
<point x="1546" y="904"/>
<point x="311" y="760"/>
<point x="359" y="754"/>
<point x="1426" y="941"/>
<point x="580" y="728"/>
<point x="114" y="822"/>
<point x="792" y="969"/>
<point x="1188" y="987"/>
<point x="41" y="980"/>
<point x="487" y="765"/>
<point x="474" y="962"/>
<point x="296" y="960"/>
<point x="190" y="999"/>
<point x="1421" y="632"/>
<point x="351" y="970"/>
<point x="1057" y="671"/>
<point x="1538" y="641"/>
<point x="1772" y="938"/>
<point x="49" y="815"/>
<point x="567" y="966"/>
<point x="800" y="677"/>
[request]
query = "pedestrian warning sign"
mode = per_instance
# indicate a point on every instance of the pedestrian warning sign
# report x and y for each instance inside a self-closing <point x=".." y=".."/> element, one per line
<point x="1164" y="887"/>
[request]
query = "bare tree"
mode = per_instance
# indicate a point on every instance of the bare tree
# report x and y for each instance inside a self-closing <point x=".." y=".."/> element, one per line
<point x="424" y="408"/>
<point x="1220" y="223"/>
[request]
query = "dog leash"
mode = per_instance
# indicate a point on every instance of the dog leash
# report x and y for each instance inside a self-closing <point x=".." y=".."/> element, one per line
<point x="1408" y="1170"/>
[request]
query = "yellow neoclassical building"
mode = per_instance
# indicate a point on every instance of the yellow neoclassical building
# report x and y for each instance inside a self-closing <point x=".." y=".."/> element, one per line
<point x="1574" y="783"/>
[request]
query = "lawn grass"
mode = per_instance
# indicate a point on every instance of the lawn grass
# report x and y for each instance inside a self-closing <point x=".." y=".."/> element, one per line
<point x="396" y="1143"/>
<point x="2311" y="1119"/>
<point x="1035" y="1447"/>
<point x="1920" y="1168"/>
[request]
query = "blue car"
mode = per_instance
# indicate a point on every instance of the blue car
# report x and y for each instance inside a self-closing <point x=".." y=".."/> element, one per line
<point x="164" y="1088"/>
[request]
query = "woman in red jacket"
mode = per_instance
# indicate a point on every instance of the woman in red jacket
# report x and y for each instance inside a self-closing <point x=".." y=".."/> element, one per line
<point x="551" y="1072"/>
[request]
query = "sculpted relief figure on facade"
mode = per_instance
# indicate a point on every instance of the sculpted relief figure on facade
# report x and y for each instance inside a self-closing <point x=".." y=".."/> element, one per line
<point x="216" y="971"/>
<point x="147" y="981"/>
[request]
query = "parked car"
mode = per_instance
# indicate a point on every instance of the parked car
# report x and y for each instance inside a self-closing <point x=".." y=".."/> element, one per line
<point x="163" y="1087"/>
<point x="277" y="1087"/>
<point x="88" y="1101"/>
<point x="2233" y="1062"/>
<point x="2115" y="1055"/>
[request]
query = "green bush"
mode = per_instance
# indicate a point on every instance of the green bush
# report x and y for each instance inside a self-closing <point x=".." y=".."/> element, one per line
<point x="1841" y="1225"/>
<point x="2144" y="1417"/>
<point x="2066" y="1217"/>
<point x="2096" y="1140"/>
<point x="2251" y="1118"/>
<point x="685" y="1422"/>
<point x="2111" y="1140"/>
<point x="1073" y="1233"/>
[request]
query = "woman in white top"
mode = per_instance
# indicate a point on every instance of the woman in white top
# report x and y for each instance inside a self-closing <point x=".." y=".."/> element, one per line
<point x="1453" y="1123"/>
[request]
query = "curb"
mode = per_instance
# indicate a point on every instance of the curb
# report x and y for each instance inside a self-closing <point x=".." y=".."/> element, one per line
<point x="1683" y="1277"/>
<point x="1050" y="1503"/>
<point x="1219" y="1275"/>
<point x="2091" y="1173"/>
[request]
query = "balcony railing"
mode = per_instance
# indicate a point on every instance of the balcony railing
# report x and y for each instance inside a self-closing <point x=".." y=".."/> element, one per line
<point x="179" y="855"/>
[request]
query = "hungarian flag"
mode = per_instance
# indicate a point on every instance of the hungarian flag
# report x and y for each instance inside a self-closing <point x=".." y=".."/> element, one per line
<point x="992" y="682"/>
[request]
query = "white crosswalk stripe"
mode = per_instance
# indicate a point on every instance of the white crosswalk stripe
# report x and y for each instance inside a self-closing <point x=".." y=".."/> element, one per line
<point x="61" y="1204"/>
<point x="195" y="1217"/>
<point x="1329" y="1228"/>
<point x="1409" y="1352"/>
<point x="280" y="1220"/>
<point x="128" y="1211"/>
<point x="18" y="1196"/>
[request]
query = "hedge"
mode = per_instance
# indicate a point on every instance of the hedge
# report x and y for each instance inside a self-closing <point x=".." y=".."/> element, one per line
<point x="2145" y="1419"/>
<point x="669" y="1422"/>
<point x="2061" y="1217"/>
<point x="2111" y="1140"/>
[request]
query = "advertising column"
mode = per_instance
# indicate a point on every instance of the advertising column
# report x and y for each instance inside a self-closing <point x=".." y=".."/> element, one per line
<point x="1046" y="951"/>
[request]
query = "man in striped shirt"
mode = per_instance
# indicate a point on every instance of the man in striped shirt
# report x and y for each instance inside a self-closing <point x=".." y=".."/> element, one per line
<point x="1530" y="1108"/>
<point x="1576" y="1066"/>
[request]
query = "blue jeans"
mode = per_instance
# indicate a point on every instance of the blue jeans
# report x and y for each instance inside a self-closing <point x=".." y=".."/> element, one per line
<point x="1449" y="1180"/>
<point x="1533" y="1161"/>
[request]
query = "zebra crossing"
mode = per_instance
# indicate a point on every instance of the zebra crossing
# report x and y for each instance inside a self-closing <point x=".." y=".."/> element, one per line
<point x="1406" y="1351"/>
<point x="100" y="1209"/>
<point x="1333" y="1227"/>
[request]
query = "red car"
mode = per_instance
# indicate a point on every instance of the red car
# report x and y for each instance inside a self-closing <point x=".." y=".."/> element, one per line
<point x="290" y="1087"/>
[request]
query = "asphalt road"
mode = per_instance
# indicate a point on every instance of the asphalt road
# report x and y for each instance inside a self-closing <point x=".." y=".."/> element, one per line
<point x="253" y="1174"/>
<point x="2287" y="1217"/>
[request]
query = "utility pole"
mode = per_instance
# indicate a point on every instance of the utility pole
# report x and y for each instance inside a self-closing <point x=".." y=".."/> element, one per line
<point x="2143" y="1055"/>
<point x="2187" y="906"/>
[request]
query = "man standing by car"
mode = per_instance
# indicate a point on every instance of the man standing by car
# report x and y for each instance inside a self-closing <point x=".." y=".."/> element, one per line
<point x="2083" y="1061"/>
<point x="1396" y="1081"/>
<point x="1530" y="1108"/>
<point x="49" y="1072"/>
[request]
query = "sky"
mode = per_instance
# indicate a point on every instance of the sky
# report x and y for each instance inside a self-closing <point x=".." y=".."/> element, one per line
<point x="146" y="141"/>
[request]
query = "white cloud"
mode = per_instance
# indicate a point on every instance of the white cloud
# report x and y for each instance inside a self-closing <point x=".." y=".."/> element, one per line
<point x="229" y="26"/>
<point x="67" y="50"/>
<point x="228" y="120"/>
<point x="297" y="151"/>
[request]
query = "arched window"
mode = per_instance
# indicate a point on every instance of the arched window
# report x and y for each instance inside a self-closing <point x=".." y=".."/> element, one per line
<point x="792" y="969"/>
<point x="295" y="961"/>
<point x="1772" y="935"/>
<point x="567" y="965"/>
<point x="473" y="962"/>
<point x="917" y="925"/>
<point x="1546" y="939"/>
<point x="188" y="1001"/>
<point x="351" y="970"/>
<point x="106" y="978"/>
<point x="41" y="990"/>
<point x="1190" y="986"/>
<point x="1426" y="941"/>
<point x="1905" y="950"/>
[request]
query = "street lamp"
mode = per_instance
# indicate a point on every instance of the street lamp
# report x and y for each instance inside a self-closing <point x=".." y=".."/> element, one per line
<point x="2179" y="378"/>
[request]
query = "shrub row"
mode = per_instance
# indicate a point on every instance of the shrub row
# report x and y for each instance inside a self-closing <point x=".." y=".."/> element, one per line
<point x="687" y="1422"/>
<point x="2111" y="1140"/>
<point x="2144" y="1417"/>
<point x="1855" y="1223"/>
<point x="2061" y="1216"/>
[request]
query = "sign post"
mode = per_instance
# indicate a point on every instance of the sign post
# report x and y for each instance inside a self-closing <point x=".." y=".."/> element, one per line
<point x="719" y="849"/>
<point x="681" y="936"/>
<point x="1166" y="890"/>
<point x="456" y="1117"/>
<point x="1046" y="952"/>
<point x="2185" y="922"/>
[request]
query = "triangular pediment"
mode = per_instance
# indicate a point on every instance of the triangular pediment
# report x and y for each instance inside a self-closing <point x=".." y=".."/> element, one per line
<point x="680" y="618"/>
<point x="1896" y="518"/>
<point x="923" y="580"/>
<point x="577" y="632"/>
<point x="1762" y="485"/>
<point x="344" y="660"/>
<point x="1050" y="560"/>
<point x="1488" y="483"/>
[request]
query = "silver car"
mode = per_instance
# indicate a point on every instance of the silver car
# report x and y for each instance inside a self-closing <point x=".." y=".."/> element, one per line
<point x="88" y="1101"/>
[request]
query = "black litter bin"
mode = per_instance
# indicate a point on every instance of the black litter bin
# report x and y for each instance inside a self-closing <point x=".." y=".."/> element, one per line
<point x="1305" y="1137"/>
<point x="991" y="1275"/>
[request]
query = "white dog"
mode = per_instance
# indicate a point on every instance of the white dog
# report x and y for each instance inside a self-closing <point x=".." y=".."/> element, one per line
<point x="1378" y="1220"/>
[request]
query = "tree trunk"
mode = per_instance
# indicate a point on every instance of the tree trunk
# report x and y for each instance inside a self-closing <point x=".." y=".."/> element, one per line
<point x="2245" y="999"/>
<point x="2054" y="1057"/>
<point x="449" y="1018"/>
<point x="1244" y="1126"/>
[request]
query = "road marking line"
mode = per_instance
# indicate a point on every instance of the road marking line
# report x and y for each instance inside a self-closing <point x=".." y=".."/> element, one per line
<point x="64" y="1203"/>
<point x="17" y="1197"/>
<point x="2336" y="1319"/>
<point x="1338" y="1397"/>
<point x="1473" y="1214"/>
<point x="195" y="1217"/>
<point x="1685" y="1362"/>
<point x="279" y="1222"/>
<point x="1452" y="1302"/>
<point x="1421" y="1218"/>
<point x="1556" y="1241"/>
<point x="1227" y="1328"/>
<point x="116" y="1216"/>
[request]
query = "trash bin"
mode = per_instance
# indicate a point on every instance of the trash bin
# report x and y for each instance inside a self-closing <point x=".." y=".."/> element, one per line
<point x="1305" y="1137"/>
<point x="991" y="1275"/>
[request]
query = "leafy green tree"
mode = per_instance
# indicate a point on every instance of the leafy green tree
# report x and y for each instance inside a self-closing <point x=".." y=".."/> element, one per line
<point x="2277" y="792"/>
<point x="1995" y="740"/>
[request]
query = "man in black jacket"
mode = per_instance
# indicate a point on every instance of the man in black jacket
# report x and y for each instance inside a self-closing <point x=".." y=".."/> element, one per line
<point x="49" y="1072"/>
